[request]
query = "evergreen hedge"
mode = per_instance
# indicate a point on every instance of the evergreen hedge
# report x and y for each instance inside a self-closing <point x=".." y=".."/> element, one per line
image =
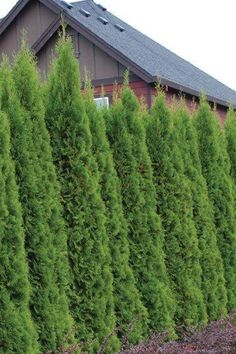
<point x="137" y="233"/>
<point x="216" y="170"/>
<point x="39" y="194"/>
<point x="132" y="163"/>
<point x="230" y="134"/>
<point x="17" y="333"/>
<point x="92" y="302"/>
<point x="213" y="282"/>
<point x="128" y="306"/>
<point x="175" y="205"/>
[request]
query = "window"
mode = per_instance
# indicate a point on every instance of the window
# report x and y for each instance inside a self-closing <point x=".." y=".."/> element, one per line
<point x="102" y="102"/>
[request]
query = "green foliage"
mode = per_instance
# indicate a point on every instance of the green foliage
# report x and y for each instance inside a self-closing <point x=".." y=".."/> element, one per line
<point x="84" y="211"/>
<point x="17" y="334"/>
<point x="174" y="204"/>
<point x="213" y="282"/>
<point x="39" y="194"/>
<point x="128" y="306"/>
<point x="230" y="133"/>
<point x="216" y="170"/>
<point x="133" y="166"/>
<point x="145" y="210"/>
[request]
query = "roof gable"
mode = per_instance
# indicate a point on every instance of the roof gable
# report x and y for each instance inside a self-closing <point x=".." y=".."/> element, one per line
<point x="20" y="5"/>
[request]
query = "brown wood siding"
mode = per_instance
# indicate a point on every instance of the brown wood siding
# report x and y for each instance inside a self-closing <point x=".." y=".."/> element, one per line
<point x="34" y="19"/>
<point x="46" y="18"/>
<point x="90" y="58"/>
<point x="105" y="66"/>
<point x="8" y="41"/>
<point x="96" y="62"/>
<point x="86" y="57"/>
<point x="47" y="55"/>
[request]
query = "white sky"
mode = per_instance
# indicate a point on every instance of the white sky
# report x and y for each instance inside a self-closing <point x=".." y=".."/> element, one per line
<point x="202" y="31"/>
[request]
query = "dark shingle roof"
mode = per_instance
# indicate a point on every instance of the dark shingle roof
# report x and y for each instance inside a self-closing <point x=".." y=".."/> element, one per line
<point x="152" y="57"/>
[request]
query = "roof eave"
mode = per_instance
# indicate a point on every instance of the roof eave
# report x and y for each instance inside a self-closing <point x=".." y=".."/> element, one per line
<point x="192" y="92"/>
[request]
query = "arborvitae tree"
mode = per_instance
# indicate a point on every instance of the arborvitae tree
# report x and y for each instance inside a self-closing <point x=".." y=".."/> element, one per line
<point x="216" y="170"/>
<point x="133" y="166"/>
<point x="174" y="204"/>
<point x="128" y="305"/>
<point x="213" y="282"/>
<point x="84" y="211"/>
<point x="17" y="333"/>
<point x="230" y="133"/>
<point x="136" y="128"/>
<point x="46" y="244"/>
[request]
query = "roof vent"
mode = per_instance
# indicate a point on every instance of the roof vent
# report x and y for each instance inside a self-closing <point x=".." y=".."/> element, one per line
<point x="119" y="27"/>
<point x="101" y="7"/>
<point x="66" y="4"/>
<point x="102" y="20"/>
<point x="85" y="13"/>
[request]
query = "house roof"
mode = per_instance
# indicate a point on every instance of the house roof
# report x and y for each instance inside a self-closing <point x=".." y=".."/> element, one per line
<point x="156" y="60"/>
<point x="143" y="56"/>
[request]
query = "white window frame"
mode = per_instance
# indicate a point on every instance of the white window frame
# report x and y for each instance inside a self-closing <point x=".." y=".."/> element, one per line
<point x="102" y="102"/>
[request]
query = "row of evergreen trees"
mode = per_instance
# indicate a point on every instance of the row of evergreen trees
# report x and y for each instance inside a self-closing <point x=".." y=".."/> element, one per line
<point x="110" y="220"/>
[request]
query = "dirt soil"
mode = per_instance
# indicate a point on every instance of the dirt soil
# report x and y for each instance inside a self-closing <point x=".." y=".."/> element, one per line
<point x="217" y="338"/>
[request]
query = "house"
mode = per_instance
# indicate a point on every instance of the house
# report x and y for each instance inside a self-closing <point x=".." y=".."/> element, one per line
<point x="105" y="46"/>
